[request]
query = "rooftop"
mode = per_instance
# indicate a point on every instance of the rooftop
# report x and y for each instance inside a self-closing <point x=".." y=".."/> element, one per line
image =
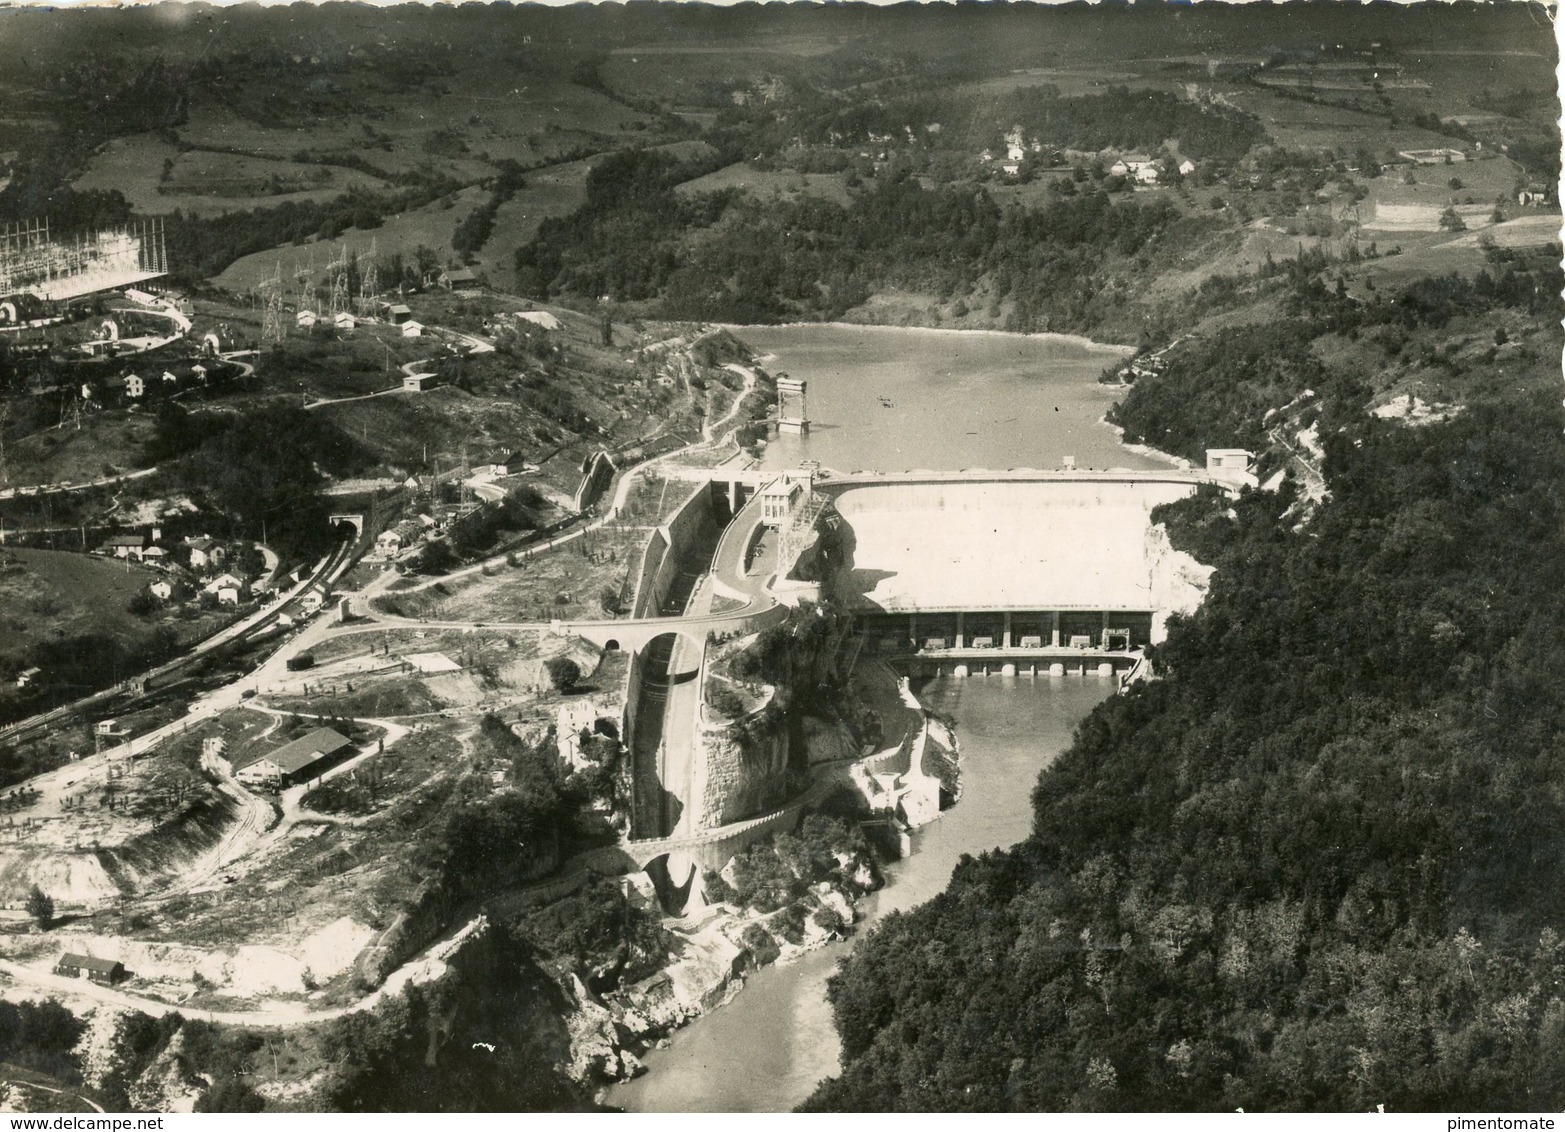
<point x="294" y="756"/>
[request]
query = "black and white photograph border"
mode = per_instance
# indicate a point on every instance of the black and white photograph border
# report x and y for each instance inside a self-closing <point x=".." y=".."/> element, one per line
<point x="828" y="558"/>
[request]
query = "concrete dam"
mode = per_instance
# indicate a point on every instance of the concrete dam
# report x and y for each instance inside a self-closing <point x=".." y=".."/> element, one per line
<point x="964" y="567"/>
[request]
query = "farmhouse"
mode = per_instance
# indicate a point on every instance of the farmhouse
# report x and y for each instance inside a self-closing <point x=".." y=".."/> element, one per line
<point x="123" y="546"/>
<point x="1443" y="156"/>
<point x="74" y="966"/>
<point x="162" y="589"/>
<point x="224" y="581"/>
<point x="298" y="761"/>
<point x="1130" y="165"/>
<point x="457" y="277"/>
<point x="205" y="551"/>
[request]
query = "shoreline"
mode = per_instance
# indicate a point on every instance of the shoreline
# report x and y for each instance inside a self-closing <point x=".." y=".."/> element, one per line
<point x="1140" y="449"/>
<point x="1090" y="344"/>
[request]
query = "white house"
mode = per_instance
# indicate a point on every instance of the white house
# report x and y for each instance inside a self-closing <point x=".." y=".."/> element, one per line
<point x="1186" y="167"/>
<point x="229" y="595"/>
<point x="1231" y="465"/>
<point x="1147" y="174"/>
<point x="205" y="551"/>
<point x="163" y="589"/>
<point x="124" y="546"/>
<point x="224" y="581"/>
<point x="27" y="676"/>
<point x="134" y="386"/>
<point x="388" y="543"/>
<point x="412" y="329"/>
<point x="1130" y="165"/>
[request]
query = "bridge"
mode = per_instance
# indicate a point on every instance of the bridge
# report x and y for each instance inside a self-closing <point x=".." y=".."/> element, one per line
<point x="1018" y="572"/>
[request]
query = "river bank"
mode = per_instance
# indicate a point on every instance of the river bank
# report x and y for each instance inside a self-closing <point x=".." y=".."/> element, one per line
<point x="766" y="1048"/>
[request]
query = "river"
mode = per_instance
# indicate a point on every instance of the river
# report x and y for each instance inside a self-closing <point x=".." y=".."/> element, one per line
<point x="956" y="400"/>
<point x="766" y="1049"/>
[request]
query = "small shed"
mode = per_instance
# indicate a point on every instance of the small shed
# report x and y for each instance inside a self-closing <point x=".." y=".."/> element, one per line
<point x="412" y="329"/>
<point x="457" y="277"/>
<point x="342" y="320"/>
<point x="75" y="966"/>
<point x="398" y="313"/>
<point x="305" y="319"/>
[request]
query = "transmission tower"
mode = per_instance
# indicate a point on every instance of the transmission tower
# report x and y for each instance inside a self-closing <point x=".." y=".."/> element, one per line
<point x="338" y="270"/>
<point x="304" y="282"/>
<point x="369" y="282"/>
<point x="272" y="327"/>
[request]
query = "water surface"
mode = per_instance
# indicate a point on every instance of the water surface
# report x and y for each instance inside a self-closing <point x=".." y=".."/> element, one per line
<point x="952" y="399"/>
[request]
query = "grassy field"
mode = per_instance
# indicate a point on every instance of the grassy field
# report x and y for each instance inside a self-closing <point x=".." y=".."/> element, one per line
<point x="430" y="226"/>
<point x="50" y="593"/>
<point x="204" y="183"/>
<point x="554" y="191"/>
<point x="771" y="185"/>
<point x="107" y="439"/>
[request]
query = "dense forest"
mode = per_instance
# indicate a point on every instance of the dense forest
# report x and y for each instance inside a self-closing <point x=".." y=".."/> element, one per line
<point x="1063" y="265"/>
<point x="1313" y="864"/>
<point x="1218" y="389"/>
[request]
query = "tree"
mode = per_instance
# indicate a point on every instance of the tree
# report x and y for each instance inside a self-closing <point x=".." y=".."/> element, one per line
<point x="1451" y="222"/>
<point x="40" y="906"/>
<point x="563" y="673"/>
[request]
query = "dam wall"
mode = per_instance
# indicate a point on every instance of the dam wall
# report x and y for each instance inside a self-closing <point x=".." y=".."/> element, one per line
<point x="1044" y="543"/>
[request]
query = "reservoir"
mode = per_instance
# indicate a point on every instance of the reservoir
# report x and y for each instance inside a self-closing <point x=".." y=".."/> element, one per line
<point x="892" y="399"/>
